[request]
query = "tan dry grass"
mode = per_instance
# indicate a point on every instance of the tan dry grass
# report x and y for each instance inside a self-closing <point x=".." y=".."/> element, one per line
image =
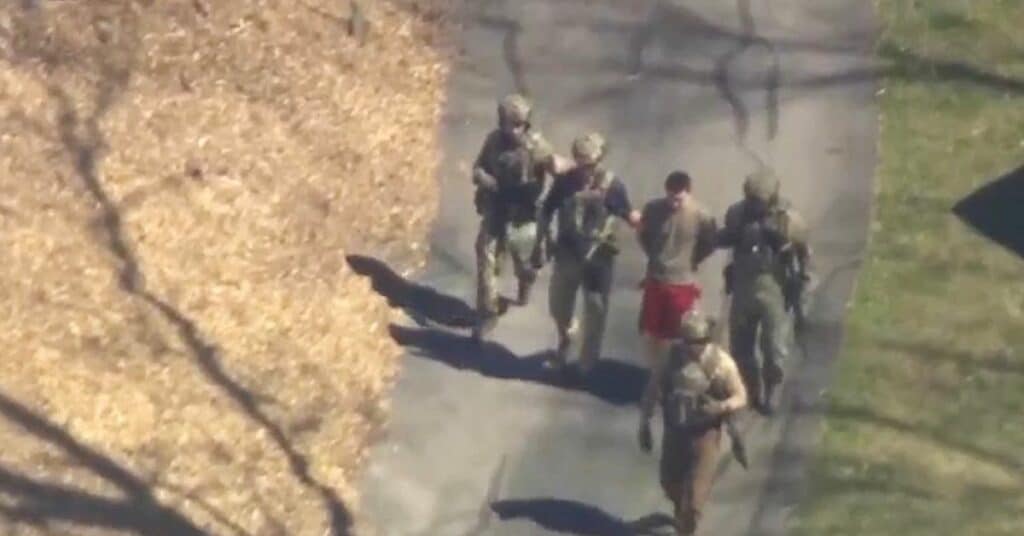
<point x="179" y="193"/>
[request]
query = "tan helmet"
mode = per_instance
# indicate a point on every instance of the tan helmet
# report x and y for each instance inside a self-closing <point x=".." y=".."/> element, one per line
<point x="513" y="109"/>
<point x="589" y="148"/>
<point x="540" y="149"/>
<point x="695" y="327"/>
<point x="762" y="185"/>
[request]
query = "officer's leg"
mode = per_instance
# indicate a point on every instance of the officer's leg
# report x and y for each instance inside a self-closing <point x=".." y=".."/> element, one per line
<point x="565" y="283"/>
<point x="742" y="342"/>
<point x="775" y="335"/>
<point x="597" y="285"/>
<point x="705" y="453"/>
<point x="671" y="469"/>
<point x="521" y="242"/>
<point x="487" y="252"/>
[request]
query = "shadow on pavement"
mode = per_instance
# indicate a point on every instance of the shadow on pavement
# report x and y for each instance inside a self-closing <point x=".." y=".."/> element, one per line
<point x="572" y="517"/>
<point x="614" y="382"/>
<point x="424" y="304"/>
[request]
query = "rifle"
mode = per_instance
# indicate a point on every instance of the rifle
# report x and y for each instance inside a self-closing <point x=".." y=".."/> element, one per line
<point x="739" y="449"/>
<point x="600" y="238"/>
<point x="794" y="286"/>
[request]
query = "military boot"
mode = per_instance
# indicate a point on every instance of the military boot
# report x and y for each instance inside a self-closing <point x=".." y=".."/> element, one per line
<point x="525" y="286"/>
<point x="484" y="326"/>
<point x="685" y="522"/>
<point x="772" y="379"/>
<point x="560" y="360"/>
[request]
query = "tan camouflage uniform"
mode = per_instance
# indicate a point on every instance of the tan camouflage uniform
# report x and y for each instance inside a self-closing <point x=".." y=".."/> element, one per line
<point x="701" y="386"/>
<point x="512" y="174"/>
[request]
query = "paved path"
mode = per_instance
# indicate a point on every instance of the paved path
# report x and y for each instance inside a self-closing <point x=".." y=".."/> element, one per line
<point x="484" y="442"/>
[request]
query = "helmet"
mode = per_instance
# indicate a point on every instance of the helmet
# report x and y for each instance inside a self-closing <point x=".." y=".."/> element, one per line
<point x="540" y="149"/>
<point x="589" y="148"/>
<point x="695" y="327"/>
<point x="762" y="185"/>
<point x="514" y="108"/>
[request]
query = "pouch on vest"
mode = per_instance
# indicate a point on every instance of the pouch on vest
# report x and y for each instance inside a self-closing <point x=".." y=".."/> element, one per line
<point x="687" y="387"/>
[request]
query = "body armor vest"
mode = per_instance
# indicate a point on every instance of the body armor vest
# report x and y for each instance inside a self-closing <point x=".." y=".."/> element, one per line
<point x="585" y="221"/>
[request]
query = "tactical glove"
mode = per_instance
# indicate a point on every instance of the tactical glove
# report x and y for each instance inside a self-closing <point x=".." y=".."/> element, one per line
<point x="484" y="180"/>
<point x="714" y="408"/>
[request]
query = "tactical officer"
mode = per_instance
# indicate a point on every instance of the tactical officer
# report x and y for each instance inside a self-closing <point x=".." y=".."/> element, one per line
<point x="770" y="254"/>
<point x="512" y="174"/>
<point x="588" y="199"/>
<point x="701" y="386"/>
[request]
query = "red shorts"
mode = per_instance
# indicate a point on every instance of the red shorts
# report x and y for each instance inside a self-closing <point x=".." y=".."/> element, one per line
<point x="664" y="306"/>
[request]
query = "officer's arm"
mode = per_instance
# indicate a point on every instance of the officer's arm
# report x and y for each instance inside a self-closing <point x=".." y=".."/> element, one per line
<point x="798" y="234"/>
<point x="552" y="200"/>
<point x="618" y="203"/>
<point x="728" y="235"/>
<point x="560" y="164"/>
<point x="482" y="175"/>
<point x="737" y="392"/>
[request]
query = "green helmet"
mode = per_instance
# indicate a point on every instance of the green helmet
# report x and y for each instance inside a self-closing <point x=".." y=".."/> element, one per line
<point x="589" y="148"/>
<point x="762" y="186"/>
<point x="695" y="327"/>
<point x="513" y="109"/>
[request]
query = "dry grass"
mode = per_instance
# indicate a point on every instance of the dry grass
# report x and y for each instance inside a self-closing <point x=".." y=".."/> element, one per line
<point x="181" y="182"/>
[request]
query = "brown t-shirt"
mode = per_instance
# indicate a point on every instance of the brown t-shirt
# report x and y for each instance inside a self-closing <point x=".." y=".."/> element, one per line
<point x="677" y="235"/>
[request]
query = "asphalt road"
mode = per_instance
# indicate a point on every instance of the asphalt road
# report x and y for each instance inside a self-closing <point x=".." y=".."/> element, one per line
<point x="484" y="441"/>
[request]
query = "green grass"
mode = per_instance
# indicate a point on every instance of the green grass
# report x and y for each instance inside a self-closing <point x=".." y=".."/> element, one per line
<point x="925" y="430"/>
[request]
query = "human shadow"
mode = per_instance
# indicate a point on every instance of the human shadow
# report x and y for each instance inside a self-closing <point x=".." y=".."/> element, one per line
<point x="37" y="502"/>
<point x="574" y="517"/>
<point x="909" y="65"/>
<point x="611" y="381"/>
<point x="421" y="302"/>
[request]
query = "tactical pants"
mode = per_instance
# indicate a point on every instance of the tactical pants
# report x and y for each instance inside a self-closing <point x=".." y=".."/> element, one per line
<point x="594" y="277"/>
<point x="688" y="463"/>
<point x="493" y="242"/>
<point x="761" y="306"/>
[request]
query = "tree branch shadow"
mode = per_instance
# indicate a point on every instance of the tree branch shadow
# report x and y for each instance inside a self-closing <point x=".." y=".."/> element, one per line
<point x="39" y="502"/>
<point x="909" y="65"/>
<point x="964" y="359"/>
<point x="935" y="435"/>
